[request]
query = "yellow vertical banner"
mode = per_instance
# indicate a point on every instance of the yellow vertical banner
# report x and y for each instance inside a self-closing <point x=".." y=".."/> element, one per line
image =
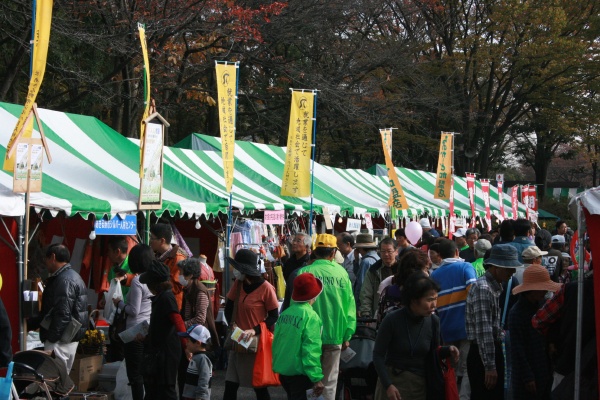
<point x="296" y="172"/>
<point x="444" y="169"/>
<point x="41" y="39"/>
<point x="386" y="136"/>
<point x="227" y="94"/>
<point x="397" y="198"/>
<point x="142" y="33"/>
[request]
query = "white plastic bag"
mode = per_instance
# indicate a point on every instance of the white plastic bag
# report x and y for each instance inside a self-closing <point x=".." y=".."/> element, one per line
<point x="114" y="292"/>
<point x="122" y="388"/>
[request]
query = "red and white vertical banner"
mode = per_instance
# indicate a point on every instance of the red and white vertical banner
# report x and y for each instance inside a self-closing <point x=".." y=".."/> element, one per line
<point x="471" y="191"/>
<point x="514" y="200"/>
<point x="452" y="217"/>
<point x="533" y="204"/>
<point x="485" y="189"/>
<point x="525" y="199"/>
<point x="501" y="198"/>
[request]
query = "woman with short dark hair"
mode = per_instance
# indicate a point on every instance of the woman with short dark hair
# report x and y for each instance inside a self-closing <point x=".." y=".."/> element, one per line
<point x="137" y="308"/>
<point x="407" y="348"/>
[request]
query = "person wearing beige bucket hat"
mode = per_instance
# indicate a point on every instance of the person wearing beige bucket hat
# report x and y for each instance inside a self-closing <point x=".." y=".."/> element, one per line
<point x="365" y="251"/>
<point x="531" y="368"/>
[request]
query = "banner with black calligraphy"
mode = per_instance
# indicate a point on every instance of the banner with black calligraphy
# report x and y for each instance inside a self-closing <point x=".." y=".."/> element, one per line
<point x="227" y="94"/>
<point x="397" y="198"/>
<point x="444" y="169"/>
<point x="296" y="172"/>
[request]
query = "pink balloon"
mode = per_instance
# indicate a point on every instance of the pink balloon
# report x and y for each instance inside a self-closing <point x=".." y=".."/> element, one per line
<point x="413" y="231"/>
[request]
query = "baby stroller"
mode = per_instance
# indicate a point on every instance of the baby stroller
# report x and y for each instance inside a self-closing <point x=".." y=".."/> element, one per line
<point x="37" y="375"/>
<point x="358" y="376"/>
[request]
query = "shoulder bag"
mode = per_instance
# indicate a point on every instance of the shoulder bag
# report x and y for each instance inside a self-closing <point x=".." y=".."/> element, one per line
<point x="232" y="345"/>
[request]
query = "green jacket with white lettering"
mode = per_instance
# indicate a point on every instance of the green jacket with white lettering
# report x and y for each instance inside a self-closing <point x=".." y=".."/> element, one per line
<point x="335" y="305"/>
<point x="297" y="342"/>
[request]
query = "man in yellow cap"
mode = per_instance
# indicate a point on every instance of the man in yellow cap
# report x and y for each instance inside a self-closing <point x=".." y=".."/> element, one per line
<point x="335" y="306"/>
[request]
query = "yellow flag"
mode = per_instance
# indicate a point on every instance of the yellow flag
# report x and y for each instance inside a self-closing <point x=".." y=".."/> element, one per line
<point x="386" y="136"/>
<point x="227" y="93"/>
<point x="142" y="32"/>
<point x="43" y="22"/>
<point x="397" y="198"/>
<point x="296" y="172"/>
<point x="444" y="170"/>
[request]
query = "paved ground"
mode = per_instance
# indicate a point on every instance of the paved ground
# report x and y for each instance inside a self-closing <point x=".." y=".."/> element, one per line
<point x="218" y="386"/>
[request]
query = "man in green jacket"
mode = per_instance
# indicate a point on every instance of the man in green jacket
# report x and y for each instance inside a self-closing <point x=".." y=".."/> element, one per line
<point x="297" y="341"/>
<point x="336" y="308"/>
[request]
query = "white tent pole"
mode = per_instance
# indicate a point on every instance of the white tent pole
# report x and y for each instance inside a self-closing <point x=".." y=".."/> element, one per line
<point x="580" y="274"/>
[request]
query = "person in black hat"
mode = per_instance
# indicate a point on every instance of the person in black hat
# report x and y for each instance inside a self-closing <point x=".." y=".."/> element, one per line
<point x="256" y="302"/>
<point x="162" y="340"/>
<point x="485" y="361"/>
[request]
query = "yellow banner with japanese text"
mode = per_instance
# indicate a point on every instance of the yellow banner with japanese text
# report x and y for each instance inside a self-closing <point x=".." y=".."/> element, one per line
<point x="41" y="39"/>
<point x="227" y="94"/>
<point x="296" y="172"/>
<point x="444" y="170"/>
<point x="397" y="198"/>
<point x="142" y="33"/>
<point x="386" y="136"/>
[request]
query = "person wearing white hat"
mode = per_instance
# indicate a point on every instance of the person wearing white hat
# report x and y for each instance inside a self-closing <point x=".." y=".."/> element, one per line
<point x="199" y="370"/>
<point x="531" y="368"/>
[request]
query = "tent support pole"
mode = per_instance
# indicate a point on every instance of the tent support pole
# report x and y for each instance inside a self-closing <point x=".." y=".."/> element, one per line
<point x="147" y="227"/>
<point x="227" y="249"/>
<point x="580" y="275"/>
<point x="20" y="255"/>
<point x="312" y="168"/>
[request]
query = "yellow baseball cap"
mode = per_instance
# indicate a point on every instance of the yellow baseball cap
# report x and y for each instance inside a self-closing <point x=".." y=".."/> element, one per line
<point x="325" y="240"/>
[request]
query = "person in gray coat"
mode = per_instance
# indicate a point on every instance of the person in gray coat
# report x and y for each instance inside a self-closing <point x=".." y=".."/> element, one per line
<point x="64" y="299"/>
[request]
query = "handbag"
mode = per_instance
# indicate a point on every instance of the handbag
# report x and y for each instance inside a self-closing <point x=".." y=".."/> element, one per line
<point x="119" y="325"/>
<point x="450" y="387"/>
<point x="263" y="374"/>
<point x="232" y="345"/>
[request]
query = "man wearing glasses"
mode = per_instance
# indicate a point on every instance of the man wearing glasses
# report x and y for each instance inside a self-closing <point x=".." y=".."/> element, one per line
<point x="160" y="242"/>
<point x="384" y="267"/>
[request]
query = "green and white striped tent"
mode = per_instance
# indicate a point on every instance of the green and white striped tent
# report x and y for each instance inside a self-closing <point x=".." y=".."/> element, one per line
<point x="95" y="171"/>
<point x="370" y="192"/>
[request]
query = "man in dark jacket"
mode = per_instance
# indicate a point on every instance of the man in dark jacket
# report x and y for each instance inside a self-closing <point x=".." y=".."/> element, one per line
<point x="64" y="299"/>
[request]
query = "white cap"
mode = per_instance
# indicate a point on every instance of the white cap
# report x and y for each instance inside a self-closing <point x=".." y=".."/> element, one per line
<point x="197" y="332"/>
<point x="460" y="232"/>
<point x="424" y="222"/>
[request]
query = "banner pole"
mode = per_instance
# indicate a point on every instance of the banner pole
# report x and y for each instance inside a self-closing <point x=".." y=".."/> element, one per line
<point x="228" y="252"/>
<point x="580" y="275"/>
<point x="312" y="168"/>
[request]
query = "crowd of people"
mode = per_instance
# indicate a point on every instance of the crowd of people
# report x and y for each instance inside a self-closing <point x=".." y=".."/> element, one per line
<point x="499" y="307"/>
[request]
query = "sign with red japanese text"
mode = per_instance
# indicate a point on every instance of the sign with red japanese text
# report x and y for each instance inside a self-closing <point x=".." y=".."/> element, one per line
<point x="227" y="95"/>
<point x="514" y="201"/>
<point x="274" y="217"/>
<point x="397" y="198"/>
<point x="485" y="190"/>
<point x="533" y="204"/>
<point x="444" y="169"/>
<point x="471" y="191"/>
<point x="368" y="221"/>
<point x="296" y="172"/>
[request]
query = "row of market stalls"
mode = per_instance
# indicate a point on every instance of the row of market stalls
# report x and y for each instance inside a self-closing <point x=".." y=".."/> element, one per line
<point x="94" y="175"/>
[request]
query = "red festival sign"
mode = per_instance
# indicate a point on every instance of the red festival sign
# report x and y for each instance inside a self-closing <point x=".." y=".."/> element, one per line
<point x="514" y="200"/>
<point x="485" y="189"/>
<point x="501" y="198"/>
<point x="471" y="190"/>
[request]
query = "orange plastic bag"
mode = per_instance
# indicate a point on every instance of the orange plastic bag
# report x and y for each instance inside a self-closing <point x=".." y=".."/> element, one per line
<point x="263" y="375"/>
